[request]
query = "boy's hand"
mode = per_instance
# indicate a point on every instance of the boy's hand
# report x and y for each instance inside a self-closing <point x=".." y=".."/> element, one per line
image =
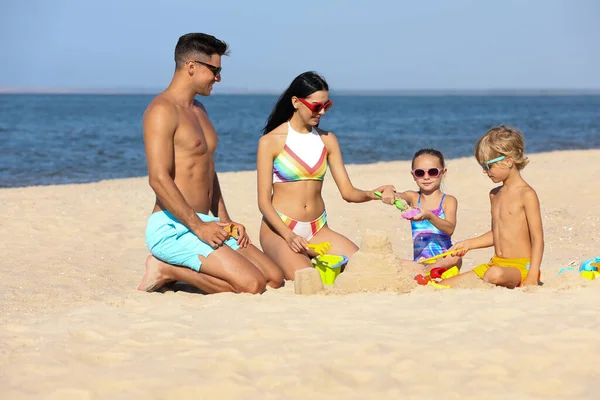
<point x="530" y="280"/>
<point x="461" y="248"/>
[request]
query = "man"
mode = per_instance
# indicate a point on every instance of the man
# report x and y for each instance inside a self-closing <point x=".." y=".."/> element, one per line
<point x="186" y="243"/>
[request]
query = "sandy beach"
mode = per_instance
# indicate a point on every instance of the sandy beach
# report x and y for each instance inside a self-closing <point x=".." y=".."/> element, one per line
<point x="73" y="325"/>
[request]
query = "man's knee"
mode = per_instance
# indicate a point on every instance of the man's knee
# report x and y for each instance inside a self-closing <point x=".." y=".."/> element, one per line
<point x="251" y="281"/>
<point x="255" y="284"/>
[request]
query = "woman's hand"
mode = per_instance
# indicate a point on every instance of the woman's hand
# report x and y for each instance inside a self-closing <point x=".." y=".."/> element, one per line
<point x="381" y="189"/>
<point x="297" y="243"/>
<point x="388" y="196"/>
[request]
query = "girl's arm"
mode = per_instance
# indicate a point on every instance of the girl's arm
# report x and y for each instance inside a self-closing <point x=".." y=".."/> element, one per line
<point x="340" y="175"/>
<point x="531" y="204"/>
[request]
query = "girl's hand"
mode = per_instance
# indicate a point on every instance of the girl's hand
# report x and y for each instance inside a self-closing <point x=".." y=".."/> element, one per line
<point x="422" y="215"/>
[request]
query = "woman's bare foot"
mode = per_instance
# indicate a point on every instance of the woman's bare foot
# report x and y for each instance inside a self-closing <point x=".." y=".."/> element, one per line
<point x="154" y="278"/>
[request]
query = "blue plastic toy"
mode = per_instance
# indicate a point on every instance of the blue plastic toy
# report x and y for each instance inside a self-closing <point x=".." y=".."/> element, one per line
<point x="590" y="265"/>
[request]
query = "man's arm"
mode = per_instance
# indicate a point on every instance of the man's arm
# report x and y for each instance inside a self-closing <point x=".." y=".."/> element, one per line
<point x="160" y="123"/>
<point x="531" y="204"/>
<point x="217" y="206"/>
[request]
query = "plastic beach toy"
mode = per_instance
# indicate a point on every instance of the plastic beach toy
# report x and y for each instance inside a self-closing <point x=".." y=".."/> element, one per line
<point x="590" y="269"/>
<point x="436" y="273"/>
<point x="320" y="248"/>
<point x="590" y="265"/>
<point x="433" y="259"/>
<point x="399" y="203"/>
<point x="411" y="213"/>
<point x="329" y="266"/>
<point x="232" y="230"/>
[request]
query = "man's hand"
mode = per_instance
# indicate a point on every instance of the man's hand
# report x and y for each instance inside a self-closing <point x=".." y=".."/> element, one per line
<point x="297" y="243"/>
<point x="242" y="237"/>
<point x="212" y="233"/>
<point x="461" y="248"/>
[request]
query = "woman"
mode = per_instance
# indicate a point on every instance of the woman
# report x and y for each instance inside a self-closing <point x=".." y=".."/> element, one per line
<point x="292" y="160"/>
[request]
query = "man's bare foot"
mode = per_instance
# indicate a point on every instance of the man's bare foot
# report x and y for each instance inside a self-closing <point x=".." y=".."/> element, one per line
<point x="153" y="279"/>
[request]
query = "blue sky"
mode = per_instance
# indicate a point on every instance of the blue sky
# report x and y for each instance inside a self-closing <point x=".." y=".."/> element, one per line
<point x="359" y="45"/>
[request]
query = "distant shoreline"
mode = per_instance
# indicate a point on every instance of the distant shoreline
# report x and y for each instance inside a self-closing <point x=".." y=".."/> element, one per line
<point x="348" y="92"/>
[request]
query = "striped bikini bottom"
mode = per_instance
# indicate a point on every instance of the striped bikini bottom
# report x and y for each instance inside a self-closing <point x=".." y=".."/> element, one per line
<point x="305" y="229"/>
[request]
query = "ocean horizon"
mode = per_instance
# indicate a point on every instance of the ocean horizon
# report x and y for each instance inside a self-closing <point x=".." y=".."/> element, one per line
<point x="76" y="138"/>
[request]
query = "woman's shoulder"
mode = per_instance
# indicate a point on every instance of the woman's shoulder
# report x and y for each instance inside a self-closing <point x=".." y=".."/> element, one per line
<point x="324" y="133"/>
<point x="281" y="130"/>
<point x="274" y="141"/>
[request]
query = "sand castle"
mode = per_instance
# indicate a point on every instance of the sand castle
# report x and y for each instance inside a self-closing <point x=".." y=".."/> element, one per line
<point x="375" y="267"/>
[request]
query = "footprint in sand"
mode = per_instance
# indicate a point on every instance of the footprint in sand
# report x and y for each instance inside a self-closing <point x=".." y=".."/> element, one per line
<point x="87" y="335"/>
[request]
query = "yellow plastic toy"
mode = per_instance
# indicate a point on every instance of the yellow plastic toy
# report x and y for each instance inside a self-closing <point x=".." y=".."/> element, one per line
<point x="437" y="285"/>
<point x="433" y="259"/>
<point x="590" y="275"/>
<point x="329" y="266"/>
<point x="320" y="248"/>
<point x="450" y="272"/>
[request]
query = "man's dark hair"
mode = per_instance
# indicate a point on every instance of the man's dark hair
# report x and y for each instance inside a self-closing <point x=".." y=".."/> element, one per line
<point x="194" y="44"/>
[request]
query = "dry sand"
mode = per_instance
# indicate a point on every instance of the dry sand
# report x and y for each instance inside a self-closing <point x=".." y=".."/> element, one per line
<point x="74" y="327"/>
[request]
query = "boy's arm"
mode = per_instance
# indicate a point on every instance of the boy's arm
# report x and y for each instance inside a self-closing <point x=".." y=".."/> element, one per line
<point x="531" y="204"/>
<point x="480" y="242"/>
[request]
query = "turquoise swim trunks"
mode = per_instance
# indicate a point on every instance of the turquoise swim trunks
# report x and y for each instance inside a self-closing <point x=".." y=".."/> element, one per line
<point x="172" y="242"/>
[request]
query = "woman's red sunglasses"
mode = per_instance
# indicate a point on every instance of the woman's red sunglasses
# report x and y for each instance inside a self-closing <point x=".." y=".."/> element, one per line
<point x="316" y="108"/>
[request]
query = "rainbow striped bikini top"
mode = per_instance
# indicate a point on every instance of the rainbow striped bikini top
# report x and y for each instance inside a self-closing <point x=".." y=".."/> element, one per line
<point x="303" y="158"/>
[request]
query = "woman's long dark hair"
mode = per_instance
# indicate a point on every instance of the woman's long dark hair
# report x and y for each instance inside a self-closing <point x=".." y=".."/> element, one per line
<point x="302" y="86"/>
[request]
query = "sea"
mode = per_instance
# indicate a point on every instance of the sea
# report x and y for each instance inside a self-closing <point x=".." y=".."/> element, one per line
<point x="50" y="139"/>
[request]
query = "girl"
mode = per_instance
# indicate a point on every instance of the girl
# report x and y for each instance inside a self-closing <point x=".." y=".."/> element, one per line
<point x="436" y="221"/>
<point x="291" y="162"/>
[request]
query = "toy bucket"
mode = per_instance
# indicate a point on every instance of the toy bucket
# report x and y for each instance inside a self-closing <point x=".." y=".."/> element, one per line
<point x="590" y="265"/>
<point x="329" y="266"/>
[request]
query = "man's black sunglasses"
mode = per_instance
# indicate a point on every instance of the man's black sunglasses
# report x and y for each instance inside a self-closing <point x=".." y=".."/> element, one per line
<point x="215" y="70"/>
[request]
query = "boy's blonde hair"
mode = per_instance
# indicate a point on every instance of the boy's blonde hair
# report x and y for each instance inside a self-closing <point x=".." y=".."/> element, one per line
<point x="502" y="141"/>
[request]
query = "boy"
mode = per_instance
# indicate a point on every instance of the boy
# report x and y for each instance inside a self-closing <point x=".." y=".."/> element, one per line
<point x="516" y="233"/>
